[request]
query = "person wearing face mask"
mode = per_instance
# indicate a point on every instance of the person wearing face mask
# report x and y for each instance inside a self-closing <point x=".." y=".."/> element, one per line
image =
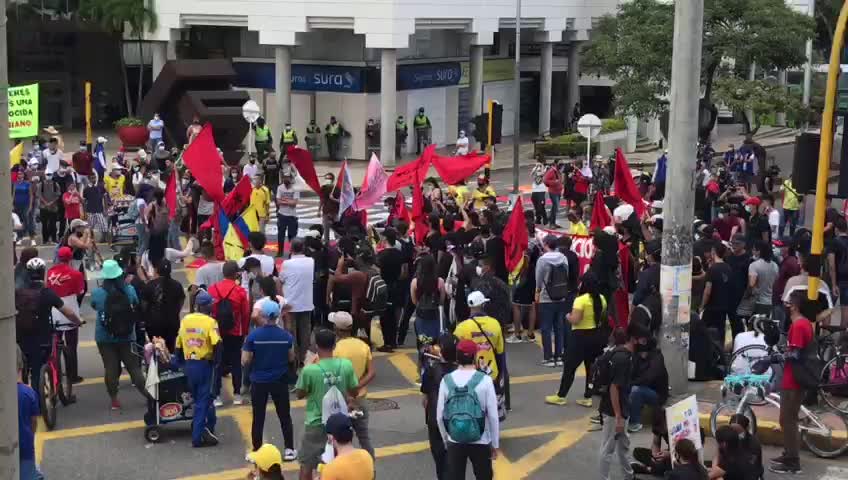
<point x="233" y="177"/>
<point x="334" y="132"/>
<point x="160" y="156"/>
<point x="483" y="191"/>
<point x="537" y="174"/>
<point x="329" y="204"/>
<point x="287" y="197"/>
<point x="156" y="131"/>
<point x="262" y="137"/>
<point x="372" y="137"/>
<point x="757" y="227"/>
<point x="287" y="139"/>
<point x="260" y="200"/>
<point x="401" y="132"/>
<point x="461" y="144"/>
<point x="728" y="223"/>
<point x="53" y="156"/>
<point x="422" y="126"/>
<point x="251" y="168"/>
<point x="83" y="163"/>
<point x="313" y="139"/>
<point x="650" y="382"/>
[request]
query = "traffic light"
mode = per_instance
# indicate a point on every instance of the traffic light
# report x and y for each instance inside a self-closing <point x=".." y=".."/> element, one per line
<point x="481" y="129"/>
<point x="497" y="122"/>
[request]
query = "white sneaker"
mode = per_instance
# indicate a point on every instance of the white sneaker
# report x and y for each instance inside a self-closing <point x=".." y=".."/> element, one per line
<point x="218" y="402"/>
<point x="549" y="363"/>
<point x="514" y="339"/>
<point x="290" y="455"/>
<point x="237" y="400"/>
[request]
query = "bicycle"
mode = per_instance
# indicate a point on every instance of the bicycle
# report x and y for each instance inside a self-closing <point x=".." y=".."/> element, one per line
<point x="824" y="432"/>
<point x="55" y="383"/>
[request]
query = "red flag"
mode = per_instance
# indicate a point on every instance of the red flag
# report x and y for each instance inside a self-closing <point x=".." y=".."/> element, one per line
<point x="399" y="211"/>
<point x="171" y="195"/>
<point x="373" y="185"/>
<point x="515" y="237"/>
<point x="600" y="216"/>
<point x="201" y="157"/>
<point x="408" y="174"/>
<point x="625" y="187"/>
<point x="456" y="169"/>
<point x="418" y="215"/>
<point x="238" y="199"/>
<point x="302" y="161"/>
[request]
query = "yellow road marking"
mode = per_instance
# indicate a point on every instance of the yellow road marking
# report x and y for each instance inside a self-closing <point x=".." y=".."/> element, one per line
<point x="405" y="366"/>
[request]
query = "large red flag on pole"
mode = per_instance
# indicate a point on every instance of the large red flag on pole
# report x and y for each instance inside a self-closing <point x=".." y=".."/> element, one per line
<point x="408" y="174"/>
<point x="515" y="237"/>
<point x="625" y="187"/>
<point x="456" y="169"/>
<point x="201" y="157"/>
<point x="600" y="215"/>
<point x="171" y="194"/>
<point x="303" y="162"/>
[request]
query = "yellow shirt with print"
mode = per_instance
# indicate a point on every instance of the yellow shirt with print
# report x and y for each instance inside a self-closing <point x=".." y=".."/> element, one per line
<point x="356" y="465"/>
<point x="578" y="228"/>
<point x="791" y="197"/>
<point x="479" y="196"/>
<point x="114" y="186"/>
<point x="359" y="354"/>
<point x="585" y="304"/>
<point x="469" y="330"/>
<point x="198" y="336"/>
<point x="260" y="199"/>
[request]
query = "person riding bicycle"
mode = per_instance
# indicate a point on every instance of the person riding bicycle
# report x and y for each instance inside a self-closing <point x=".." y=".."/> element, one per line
<point x="69" y="285"/>
<point x="34" y="320"/>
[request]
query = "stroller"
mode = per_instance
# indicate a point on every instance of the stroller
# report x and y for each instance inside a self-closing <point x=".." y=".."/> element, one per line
<point x="171" y="400"/>
<point x="124" y="228"/>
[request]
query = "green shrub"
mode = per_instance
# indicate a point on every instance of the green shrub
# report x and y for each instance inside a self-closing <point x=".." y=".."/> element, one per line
<point x="610" y="125"/>
<point x="569" y="145"/>
<point x="129" y="122"/>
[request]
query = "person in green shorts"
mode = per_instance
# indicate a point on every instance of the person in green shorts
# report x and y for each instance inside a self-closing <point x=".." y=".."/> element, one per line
<point x="314" y="382"/>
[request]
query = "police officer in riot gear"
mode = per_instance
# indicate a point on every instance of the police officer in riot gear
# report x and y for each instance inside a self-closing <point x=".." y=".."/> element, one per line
<point x="422" y="125"/>
<point x="401" y="132"/>
<point x="313" y="138"/>
<point x="372" y="137"/>
<point x="287" y="139"/>
<point x="334" y="131"/>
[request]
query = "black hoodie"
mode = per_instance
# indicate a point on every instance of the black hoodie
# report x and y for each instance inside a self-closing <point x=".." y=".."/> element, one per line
<point x="651" y="373"/>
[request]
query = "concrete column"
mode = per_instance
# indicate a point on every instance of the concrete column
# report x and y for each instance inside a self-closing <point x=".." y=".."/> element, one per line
<point x="780" y="117"/>
<point x="388" y="105"/>
<point x="545" y="86"/>
<point x="477" y="80"/>
<point x="752" y="75"/>
<point x="160" y="56"/>
<point x="282" y="80"/>
<point x="632" y="133"/>
<point x="573" y="86"/>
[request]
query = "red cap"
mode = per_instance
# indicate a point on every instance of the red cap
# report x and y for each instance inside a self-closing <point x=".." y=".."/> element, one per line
<point x="468" y="347"/>
<point x="65" y="254"/>
<point x="753" y="201"/>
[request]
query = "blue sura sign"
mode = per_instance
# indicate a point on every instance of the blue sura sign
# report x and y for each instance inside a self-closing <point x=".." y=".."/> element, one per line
<point x="430" y="75"/>
<point x="312" y="78"/>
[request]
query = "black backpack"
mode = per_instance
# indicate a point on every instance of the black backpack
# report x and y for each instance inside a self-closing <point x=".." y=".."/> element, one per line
<point x="26" y="304"/>
<point x="557" y="283"/>
<point x="601" y="375"/>
<point x="225" y="313"/>
<point x="120" y="313"/>
<point x="376" y="294"/>
<point x="808" y="368"/>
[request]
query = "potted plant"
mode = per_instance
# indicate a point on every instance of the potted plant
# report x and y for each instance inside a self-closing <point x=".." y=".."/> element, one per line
<point x="132" y="131"/>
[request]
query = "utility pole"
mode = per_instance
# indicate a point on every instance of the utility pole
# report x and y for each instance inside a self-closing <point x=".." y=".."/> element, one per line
<point x="676" y="270"/>
<point x="9" y="465"/>
<point x="516" y="141"/>
<point x="808" y="67"/>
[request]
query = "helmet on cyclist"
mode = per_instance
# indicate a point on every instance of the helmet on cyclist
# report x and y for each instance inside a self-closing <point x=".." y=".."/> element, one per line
<point x="36" y="267"/>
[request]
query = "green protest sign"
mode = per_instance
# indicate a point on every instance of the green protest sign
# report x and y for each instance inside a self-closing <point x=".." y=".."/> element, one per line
<point x="23" y="111"/>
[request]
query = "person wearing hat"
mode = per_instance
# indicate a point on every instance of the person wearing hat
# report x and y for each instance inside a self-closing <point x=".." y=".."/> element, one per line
<point x="483" y="451"/>
<point x="83" y="163"/>
<point x="197" y="350"/>
<point x="114" y="182"/>
<point x="486" y="332"/>
<point x="348" y="463"/>
<point x="359" y="354"/>
<point x="69" y="285"/>
<point x="757" y="227"/>
<point x="118" y="299"/>
<point x="266" y="463"/>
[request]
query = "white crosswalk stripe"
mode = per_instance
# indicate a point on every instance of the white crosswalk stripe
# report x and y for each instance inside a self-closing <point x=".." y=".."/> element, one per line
<point x="835" y="473"/>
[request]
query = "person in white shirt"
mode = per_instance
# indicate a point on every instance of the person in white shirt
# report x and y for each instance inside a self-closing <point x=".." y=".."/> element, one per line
<point x="287" y="196"/>
<point x="461" y="144"/>
<point x="251" y="168"/>
<point x="53" y="156"/>
<point x="773" y="215"/>
<point x="297" y="275"/>
<point x="482" y="452"/>
<point x="257" y="250"/>
<point x="539" y="192"/>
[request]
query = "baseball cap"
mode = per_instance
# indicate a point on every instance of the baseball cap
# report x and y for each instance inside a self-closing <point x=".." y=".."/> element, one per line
<point x="753" y="201"/>
<point x="270" y="309"/>
<point x="77" y="222"/>
<point x="65" y="253"/>
<point x="738" y="238"/>
<point x="203" y="299"/>
<point x="340" y="427"/>
<point x="476" y="299"/>
<point x="341" y="320"/>
<point x="467" y="347"/>
<point x="266" y="457"/>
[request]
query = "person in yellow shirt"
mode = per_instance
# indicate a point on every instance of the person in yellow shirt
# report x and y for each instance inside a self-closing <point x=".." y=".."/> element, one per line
<point x="459" y="192"/>
<point x="266" y="463"/>
<point x="482" y="192"/>
<point x="359" y="354"/>
<point x="575" y="219"/>
<point x="486" y="332"/>
<point x="791" y="206"/>
<point x="114" y="182"/>
<point x="260" y="200"/>
<point x="349" y="463"/>
<point x="586" y="339"/>
<point x="197" y="342"/>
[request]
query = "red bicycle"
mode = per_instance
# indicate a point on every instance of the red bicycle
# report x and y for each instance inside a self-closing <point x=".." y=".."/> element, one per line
<point x="56" y="385"/>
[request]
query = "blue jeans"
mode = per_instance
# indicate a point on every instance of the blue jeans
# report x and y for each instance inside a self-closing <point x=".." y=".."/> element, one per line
<point x="554" y="208"/>
<point x="639" y="397"/>
<point x="286" y="228"/>
<point x="789" y="217"/>
<point x="199" y="374"/>
<point x="174" y="236"/>
<point x="552" y="318"/>
<point x="29" y="470"/>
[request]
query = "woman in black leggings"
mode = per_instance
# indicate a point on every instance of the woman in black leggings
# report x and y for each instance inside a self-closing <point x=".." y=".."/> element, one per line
<point x="589" y="333"/>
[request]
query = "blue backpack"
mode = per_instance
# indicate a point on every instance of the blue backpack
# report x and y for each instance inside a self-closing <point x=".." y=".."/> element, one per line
<point x="463" y="415"/>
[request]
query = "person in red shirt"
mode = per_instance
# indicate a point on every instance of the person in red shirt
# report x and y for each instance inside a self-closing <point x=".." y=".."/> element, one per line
<point x="728" y="222"/>
<point x="83" y="162"/>
<point x="792" y="395"/>
<point x="73" y="203"/>
<point x="553" y="180"/>
<point x="230" y="289"/>
<point x="69" y="285"/>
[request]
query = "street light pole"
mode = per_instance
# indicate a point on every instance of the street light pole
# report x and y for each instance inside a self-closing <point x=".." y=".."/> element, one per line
<point x="517" y="99"/>
<point x="808" y="67"/>
<point x="9" y="465"/>
<point x="676" y="270"/>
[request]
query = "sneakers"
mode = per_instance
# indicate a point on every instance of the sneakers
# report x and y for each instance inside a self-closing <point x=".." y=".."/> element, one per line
<point x="531" y="338"/>
<point x="386" y="349"/>
<point x="218" y="402"/>
<point x="290" y="455"/>
<point x="549" y="363"/>
<point x="116" y="405"/>
<point x="558" y="363"/>
<point x="781" y="459"/>
<point x="596" y="419"/>
<point x="514" y="339"/>
<point x="237" y="400"/>
<point x="207" y="438"/>
<point x="792" y="467"/>
<point x="633" y="428"/>
<point x="555" y="400"/>
<point x="595" y="427"/>
<point x="584" y="402"/>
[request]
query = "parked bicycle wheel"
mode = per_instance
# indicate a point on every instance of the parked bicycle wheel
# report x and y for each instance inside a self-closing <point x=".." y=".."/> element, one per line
<point x="724" y="410"/>
<point x="66" y="386"/>
<point x="744" y="359"/>
<point x="834" y="386"/>
<point x="829" y="442"/>
<point x="47" y="397"/>
<point x="829" y="346"/>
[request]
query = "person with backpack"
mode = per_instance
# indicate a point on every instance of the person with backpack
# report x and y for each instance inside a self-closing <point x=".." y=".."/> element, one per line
<point x="588" y="336"/>
<point x="427" y="292"/>
<point x="440" y="361"/>
<point x="368" y="291"/>
<point x="164" y="298"/>
<point x="34" y="318"/>
<point x="467" y="415"/>
<point x="232" y="312"/>
<point x="552" y="291"/>
<point x="158" y="221"/>
<point x="116" y="303"/>
<point x="325" y="385"/>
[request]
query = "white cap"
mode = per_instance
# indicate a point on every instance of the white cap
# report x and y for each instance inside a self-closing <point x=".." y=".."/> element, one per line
<point x="477" y="299"/>
<point x="657" y="204"/>
<point x="622" y="212"/>
<point x="609" y="229"/>
<point x="33" y="162"/>
<point x="341" y="320"/>
<point x="101" y="140"/>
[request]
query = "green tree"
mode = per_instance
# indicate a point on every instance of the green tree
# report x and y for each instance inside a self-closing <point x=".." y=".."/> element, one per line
<point x="758" y="97"/>
<point x="634" y="47"/>
<point x="124" y="18"/>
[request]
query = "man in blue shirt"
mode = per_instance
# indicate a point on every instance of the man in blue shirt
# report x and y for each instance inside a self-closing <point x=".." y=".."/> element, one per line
<point x="28" y="412"/>
<point x="268" y="349"/>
